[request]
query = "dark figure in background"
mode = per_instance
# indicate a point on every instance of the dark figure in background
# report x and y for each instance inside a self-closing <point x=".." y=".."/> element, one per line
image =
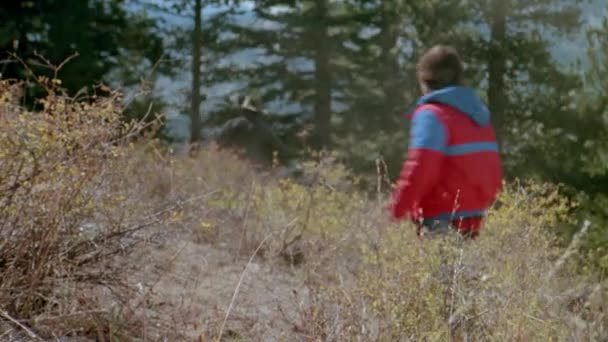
<point x="252" y="131"/>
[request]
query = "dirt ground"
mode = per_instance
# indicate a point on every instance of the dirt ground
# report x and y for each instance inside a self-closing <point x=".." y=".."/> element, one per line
<point x="188" y="287"/>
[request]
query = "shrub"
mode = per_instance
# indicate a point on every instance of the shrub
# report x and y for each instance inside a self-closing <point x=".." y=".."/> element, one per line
<point x="372" y="280"/>
<point x="64" y="202"/>
<point x="514" y="283"/>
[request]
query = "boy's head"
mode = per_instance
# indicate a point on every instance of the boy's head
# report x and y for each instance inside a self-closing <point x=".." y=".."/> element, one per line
<point x="439" y="67"/>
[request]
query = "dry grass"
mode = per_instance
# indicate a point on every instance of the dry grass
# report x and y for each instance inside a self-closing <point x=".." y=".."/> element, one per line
<point x="98" y="236"/>
<point x="371" y="280"/>
<point x="66" y="208"/>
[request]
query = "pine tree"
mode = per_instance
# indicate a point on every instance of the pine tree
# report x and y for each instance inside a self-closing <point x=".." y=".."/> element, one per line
<point x="192" y="36"/>
<point x="516" y="56"/>
<point x="104" y="34"/>
<point x="300" y="59"/>
<point x="197" y="44"/>
<point x="577" y="154"/>
<point x="385" y="44"/>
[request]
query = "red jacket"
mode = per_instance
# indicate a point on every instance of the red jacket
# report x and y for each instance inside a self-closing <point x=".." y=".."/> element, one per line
<point x="453" y="169"/>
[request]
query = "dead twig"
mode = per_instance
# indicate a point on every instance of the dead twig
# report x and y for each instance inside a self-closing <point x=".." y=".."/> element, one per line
<point x="238" y="286"/>
<point x="29" y="332"/>
<point x="572" y="248"/>
<point x="243" y="236"/>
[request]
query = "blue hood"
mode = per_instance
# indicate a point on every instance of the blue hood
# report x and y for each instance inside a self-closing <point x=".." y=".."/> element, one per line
<point x="461" y="98"/>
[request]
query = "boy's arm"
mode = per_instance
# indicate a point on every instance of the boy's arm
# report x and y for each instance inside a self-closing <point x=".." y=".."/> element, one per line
<point x="421" y="170"/>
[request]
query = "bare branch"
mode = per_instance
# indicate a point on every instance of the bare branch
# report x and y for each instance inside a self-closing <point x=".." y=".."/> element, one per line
<point x="67" y="60"/>
<point x="29" y="332"/>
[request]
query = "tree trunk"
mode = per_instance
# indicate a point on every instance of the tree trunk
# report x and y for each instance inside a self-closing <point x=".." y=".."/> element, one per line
<point x="392" y="85"/>
<point x="195" y="115"/>
<point x="497" y="64"/>
<point x="322" y="79"/>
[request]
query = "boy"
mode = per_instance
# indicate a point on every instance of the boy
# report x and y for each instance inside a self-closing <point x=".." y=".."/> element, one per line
<point x="453" y="171"/>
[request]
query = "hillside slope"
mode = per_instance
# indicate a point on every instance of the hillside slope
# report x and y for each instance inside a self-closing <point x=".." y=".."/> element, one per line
<point x="122" y="239"/>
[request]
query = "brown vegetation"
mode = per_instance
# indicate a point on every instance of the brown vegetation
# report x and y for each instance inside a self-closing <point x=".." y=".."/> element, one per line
<point x="111" y="239"/>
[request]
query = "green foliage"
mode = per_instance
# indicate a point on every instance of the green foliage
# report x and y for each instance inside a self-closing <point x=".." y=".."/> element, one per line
<point x="103" y="34"/>
<point x="385" y="42"/>
<point x="592" y="174"/>
<point x="305" y="63"/>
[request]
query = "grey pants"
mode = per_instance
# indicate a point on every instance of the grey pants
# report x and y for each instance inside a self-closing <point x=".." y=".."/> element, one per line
<point x="442" y="227"/>
<point x="437" y="227"/>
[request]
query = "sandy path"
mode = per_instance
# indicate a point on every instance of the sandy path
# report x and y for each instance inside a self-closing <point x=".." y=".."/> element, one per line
<point x="188" y="286"/>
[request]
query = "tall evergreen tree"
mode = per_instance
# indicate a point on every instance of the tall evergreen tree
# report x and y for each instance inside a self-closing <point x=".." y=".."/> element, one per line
<point x="103" y="33"/>
<point x="193" y="32"/>
<point x="299" y="59"/>
<point x="516" y="56"/>
<point x="593" y="109"/>
<point x="197" y="44"/>
<point x="384" y="48"/>
<point x="571" y="148"/>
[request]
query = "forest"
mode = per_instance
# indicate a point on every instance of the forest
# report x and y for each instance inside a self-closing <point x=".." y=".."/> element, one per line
<point x="279" y="87"/>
